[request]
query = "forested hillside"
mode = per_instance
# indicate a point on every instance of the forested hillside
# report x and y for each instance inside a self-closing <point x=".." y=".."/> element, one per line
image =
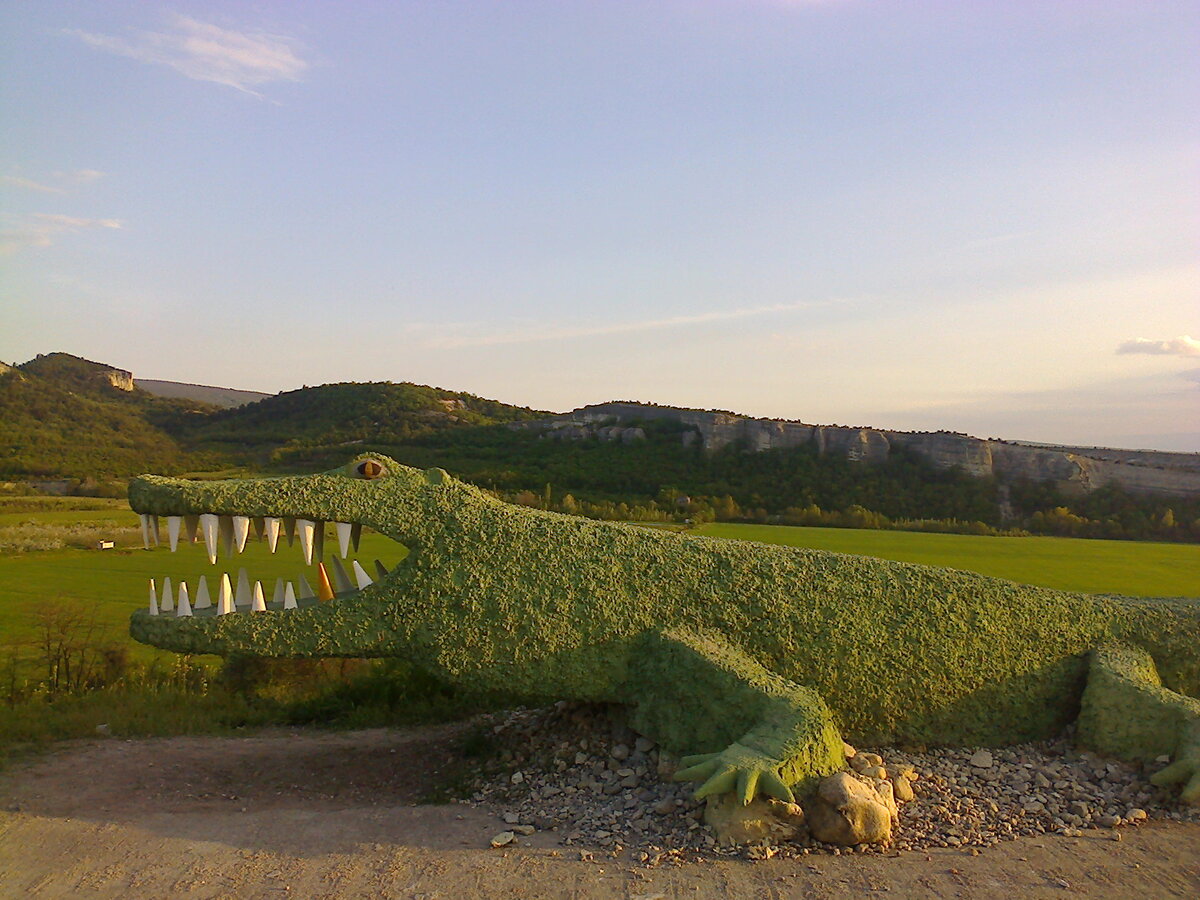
<point x="63" y="417"/>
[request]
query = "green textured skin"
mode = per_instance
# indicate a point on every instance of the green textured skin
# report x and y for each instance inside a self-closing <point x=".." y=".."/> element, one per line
<point x="1127" y="712"/>
<point x="720" y="647"/>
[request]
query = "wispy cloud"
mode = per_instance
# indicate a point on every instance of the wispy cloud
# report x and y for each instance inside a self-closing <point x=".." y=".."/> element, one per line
<point x="81" y="176"/>
<point x="29" y="184"/>
<point x="42" y="229"/>
<point x="59" y="181"/>
<point x="567" y="332"/>
<point x="1184" y="345"/>
<point x="204" y="52"/>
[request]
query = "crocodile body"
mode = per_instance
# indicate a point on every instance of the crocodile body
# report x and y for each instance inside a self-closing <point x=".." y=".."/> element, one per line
<point x="754" y="657"/>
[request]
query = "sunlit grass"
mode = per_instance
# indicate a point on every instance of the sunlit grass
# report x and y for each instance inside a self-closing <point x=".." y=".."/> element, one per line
<point x="1136" y="568"/>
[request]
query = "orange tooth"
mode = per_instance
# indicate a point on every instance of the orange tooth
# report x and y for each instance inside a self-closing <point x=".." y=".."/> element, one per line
<point x="324" y="590"/>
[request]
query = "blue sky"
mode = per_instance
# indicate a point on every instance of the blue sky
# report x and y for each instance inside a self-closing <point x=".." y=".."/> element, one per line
<point x="974" y="216"/>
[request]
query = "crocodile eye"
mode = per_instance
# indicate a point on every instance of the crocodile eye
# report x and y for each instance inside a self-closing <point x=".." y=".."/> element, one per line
<point x="369" y="468"/>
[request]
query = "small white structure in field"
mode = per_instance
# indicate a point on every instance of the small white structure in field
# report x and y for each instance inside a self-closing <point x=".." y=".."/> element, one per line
<point x="104" y="545"/>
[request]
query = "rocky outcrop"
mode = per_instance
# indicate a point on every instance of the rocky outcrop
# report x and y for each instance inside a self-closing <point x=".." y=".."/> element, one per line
<point x="120" y="379"/>
<point x="1072" y="468"/>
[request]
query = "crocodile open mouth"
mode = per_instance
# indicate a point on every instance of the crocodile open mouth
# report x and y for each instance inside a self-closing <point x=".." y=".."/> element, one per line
<point x="228" y="535"/>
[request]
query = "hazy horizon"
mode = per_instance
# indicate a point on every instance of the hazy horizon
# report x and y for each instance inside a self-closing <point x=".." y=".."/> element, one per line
<point x="920" y="216"/>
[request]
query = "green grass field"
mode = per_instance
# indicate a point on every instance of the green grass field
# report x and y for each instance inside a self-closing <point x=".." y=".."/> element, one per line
<point x="1135" y="568"/>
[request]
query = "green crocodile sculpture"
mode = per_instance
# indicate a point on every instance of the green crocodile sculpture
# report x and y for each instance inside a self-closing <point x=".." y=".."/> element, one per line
<point x="752" y="658"/>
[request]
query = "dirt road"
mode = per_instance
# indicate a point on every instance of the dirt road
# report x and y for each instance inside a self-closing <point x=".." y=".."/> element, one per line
<point x="312" y="815"/>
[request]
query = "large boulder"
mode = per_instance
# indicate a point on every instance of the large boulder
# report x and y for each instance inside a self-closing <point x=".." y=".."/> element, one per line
<point x="847" y="811"/>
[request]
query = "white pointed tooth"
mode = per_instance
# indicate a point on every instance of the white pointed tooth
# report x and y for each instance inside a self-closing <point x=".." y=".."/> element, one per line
<point x="343" y="536"/>
<point x="191" y="525"/>
<point x="241" y="531"/>
<point x="242" y="596"/>
<point x="209" y="526"/>
<point x="271" y="530"/>
<point x="277" y="596"/>
<point x="289" y="596"/>
<point x="153" y="599"/>
<point x="306" y="530"/>
<point x="203" y="601"/>
<point x="381" y="569"/>
<point x="224" y="596"/>
<point x="361" y="576"/>
<point x="226" y="530"/>
<point x="144" y="520"/>
<point x="173" y="523"/>
<point x="306" y="591"/>
<point x="184" y="608"/>
<point x="154" y="529"/>
<point x="168" y="596"/>
<point x="289" y="529"/>
<point x="258" y="604"/>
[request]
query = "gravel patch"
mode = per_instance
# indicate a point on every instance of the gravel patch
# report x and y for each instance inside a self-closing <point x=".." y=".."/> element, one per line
<point x="577" y="771"/>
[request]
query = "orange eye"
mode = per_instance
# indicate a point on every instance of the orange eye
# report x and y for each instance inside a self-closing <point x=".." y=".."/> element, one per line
<point x="369" y="468"/>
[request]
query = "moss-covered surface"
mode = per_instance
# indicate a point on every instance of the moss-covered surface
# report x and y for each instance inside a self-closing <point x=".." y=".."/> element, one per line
<point x="1127" y="712"/>
<point x="549" y="605"/>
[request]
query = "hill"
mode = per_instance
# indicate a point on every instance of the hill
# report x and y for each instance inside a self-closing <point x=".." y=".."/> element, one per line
<point x="78" y="374"/>
<point x="66" y="417"/>
<point x="319" y="425"/>
<point x="1072" y="469"/>
<point x="61" y="416"/>
<point x="216" y="396"/>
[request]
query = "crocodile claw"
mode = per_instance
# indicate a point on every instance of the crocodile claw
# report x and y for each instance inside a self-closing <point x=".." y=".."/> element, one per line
<point x="1185" y="771"/>
<point x="736" y="768"/>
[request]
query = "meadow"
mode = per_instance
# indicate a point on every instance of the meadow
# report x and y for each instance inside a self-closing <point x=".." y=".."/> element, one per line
<point x="1135" y="568"/>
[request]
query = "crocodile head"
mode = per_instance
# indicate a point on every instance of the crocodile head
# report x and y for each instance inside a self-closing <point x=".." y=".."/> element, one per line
<point x="338" y="613"/>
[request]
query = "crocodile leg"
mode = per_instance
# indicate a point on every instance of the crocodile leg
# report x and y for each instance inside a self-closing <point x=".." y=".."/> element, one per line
<point x="1126" y="712"/>
<point x="758" y="733"/>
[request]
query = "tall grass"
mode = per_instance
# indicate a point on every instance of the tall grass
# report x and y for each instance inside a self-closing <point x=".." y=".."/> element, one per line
<point x="72" y="680"/>
<point x="43" y="503"/>
<point x="31" y="536"/>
